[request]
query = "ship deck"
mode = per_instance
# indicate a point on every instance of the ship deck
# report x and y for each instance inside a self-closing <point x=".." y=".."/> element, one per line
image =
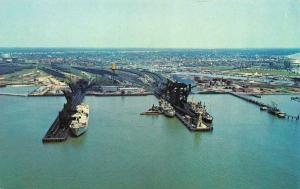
<point x="203" y="126"/>
<point x="59" y="130"/>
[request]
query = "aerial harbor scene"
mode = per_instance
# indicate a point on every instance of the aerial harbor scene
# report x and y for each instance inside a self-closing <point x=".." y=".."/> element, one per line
<point x="132" y="94"/>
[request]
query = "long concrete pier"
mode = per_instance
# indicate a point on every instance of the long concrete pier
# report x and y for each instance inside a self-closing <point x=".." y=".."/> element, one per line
<point x="250" y="100"/>
<point x="288" y="116"/>
<point x="59" y="130"/>
<point x="295" y="99"/>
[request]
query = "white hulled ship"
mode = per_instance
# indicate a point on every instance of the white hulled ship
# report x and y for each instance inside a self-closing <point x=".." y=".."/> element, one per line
<point x="166" y="108"/>
<point x="80" y="119"/>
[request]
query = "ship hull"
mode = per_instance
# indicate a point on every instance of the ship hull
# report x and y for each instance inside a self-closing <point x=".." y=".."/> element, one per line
<point x="78" y="131"/>
<point x="169" y="114"/>
<point x="207" y="120"/>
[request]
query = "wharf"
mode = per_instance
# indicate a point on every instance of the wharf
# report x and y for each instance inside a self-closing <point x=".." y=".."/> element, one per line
<point x="190" y="126"/>
<point x="177" y="94"/>
<point x="56" y="133"/>
<point x="187" y="124"/>
<point x="249" y="100"/>
<point x="295" y="99"/>
<point x="59" y="130"/>
<point x="263" y="105"/>
<point x="255" y="95"/>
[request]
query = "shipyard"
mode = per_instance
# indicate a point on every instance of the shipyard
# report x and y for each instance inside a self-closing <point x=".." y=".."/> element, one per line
<point x="55" y="77"/>
<point x="172" y="102"/>
<point x="141" y="94"/>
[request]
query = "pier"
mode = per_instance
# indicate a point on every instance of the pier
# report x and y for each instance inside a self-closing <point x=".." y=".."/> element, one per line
<point x="250" y="100"/>
<point x="292" y="117"/>
<point x="59" y="130"/>
<point x="260" y="104"/>
<point x="295" y="98"/>
<point x="177" y="94"/>
<point x="190" y="126"/>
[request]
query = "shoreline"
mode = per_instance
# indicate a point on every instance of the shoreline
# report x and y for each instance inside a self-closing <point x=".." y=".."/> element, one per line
<point x="18" y="85"/>
<point x="145" y="94"/>
<point x="97" y="95"/>
<point x="215" y="92"/>
<point x="21" y="85"/>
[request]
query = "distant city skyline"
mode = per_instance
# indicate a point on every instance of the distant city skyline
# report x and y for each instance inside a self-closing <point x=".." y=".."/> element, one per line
<point x="150" y="24"/>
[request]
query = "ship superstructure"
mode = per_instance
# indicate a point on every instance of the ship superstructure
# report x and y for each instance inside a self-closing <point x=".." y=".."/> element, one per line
<point x="192" y="114"/>
<point x="200" y="108"/>
<point x="79" y="123"/>
<point x="166" y="108"/>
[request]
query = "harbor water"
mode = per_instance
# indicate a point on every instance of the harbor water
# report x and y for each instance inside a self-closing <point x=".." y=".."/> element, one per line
<point x="122" y="149"/>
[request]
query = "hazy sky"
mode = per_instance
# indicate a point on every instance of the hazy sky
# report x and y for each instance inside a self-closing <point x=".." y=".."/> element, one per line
<point x="150" y="23"/>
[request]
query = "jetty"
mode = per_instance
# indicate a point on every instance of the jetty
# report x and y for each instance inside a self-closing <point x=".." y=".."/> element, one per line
<point x="295" y="98"/>
<point x="59" y="130"/>
<point x="292" y="117"/>
<point x="177" y="94"/>
<point x="268" y="107"/>
<point x="249" y="100"/>
<point x="255" y="95"/>
<point x="191" y="127"/>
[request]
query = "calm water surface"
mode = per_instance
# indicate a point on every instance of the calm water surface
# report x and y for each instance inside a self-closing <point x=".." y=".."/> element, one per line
<point x="247" y="149"/>
<point x="17" y="89"/>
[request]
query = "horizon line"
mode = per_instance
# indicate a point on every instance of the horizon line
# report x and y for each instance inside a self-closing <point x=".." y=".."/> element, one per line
<point x="192" y="48"/>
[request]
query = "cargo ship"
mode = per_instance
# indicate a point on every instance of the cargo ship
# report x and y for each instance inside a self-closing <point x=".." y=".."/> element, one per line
<point x="154" y="110"/>
<point x="79" y="123"/>
<point x="275" y="111"/>
<point x="193" y="115"/>
<point x="199" y="108"/>
<point x="166" y="108"/>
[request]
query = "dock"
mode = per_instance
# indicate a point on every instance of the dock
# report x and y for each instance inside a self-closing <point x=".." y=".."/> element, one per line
<point x="59" y="130"/>
<point x="292" y="117"/>
<point x="190" y="126"/>
<point x="56" y="132"/>
<point x="177" y="94"/>
<point x="255" y="95"/>
<point x="295" y="98"/>
<point x="249" y="100"/>
<point x="260" y="104"/>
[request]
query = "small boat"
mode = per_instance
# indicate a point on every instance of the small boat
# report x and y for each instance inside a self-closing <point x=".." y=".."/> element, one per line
<point x="263" y="108"/>
<point x="149" y="112"/>
<point x="166" y="108"/>
<point x="154" y="110"/>
<point x="207" y="118"/>
<point x="281" y="114"/>
<point x="169" y="111"/>
<point x="275" y="111"/>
